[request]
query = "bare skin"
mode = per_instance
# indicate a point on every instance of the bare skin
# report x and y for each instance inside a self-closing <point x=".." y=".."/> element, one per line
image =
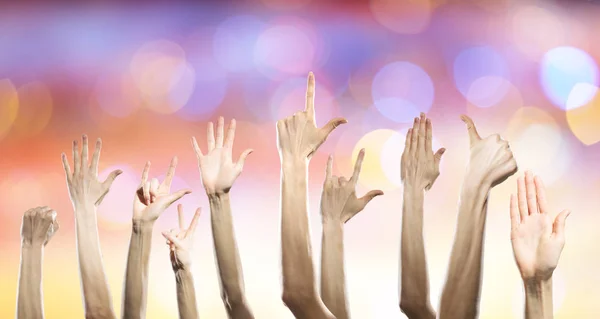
<point x="180" y="246"/>
<point x="86" y="193"/>
<point x="339" y="204"/>
<point x="537" y="240"/>
<point x="38" y="226"/>
<point x="490" y="163"/>
<point x="151" y="200"/>
<point x="298" y="138"/>
<point x="218" y="173"/>
<point x="420" y="167"/>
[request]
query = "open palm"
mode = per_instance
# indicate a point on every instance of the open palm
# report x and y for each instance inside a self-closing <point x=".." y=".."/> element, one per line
<point x="537" y="238"/>
<point x="217" y="169"/>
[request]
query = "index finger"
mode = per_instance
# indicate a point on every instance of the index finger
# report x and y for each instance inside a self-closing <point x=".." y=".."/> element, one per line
<point x="180" y="217"/>
<point x="145" y="173"/>
<point x="194" y="221"/>
<point x="358" y="165"/>
<point x="170" y="172"/>
<point x="310" y="95"/>
<point x="329" y="168"/>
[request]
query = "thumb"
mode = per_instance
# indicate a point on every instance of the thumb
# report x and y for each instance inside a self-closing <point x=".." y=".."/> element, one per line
<point x="558" y="228"/>
<point x="111" y="178"/>
<point x="332" y="124"/>
<point x="369" y="196"/>
<point x="438" y="155"/>
<point x="242" y="159"/>
<point x="172" y="239"/>
<point x="473" y="135"/>
<point x="170" y="199"/>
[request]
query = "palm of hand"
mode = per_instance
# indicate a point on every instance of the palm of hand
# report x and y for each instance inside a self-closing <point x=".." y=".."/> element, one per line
<point x="143" y="209"/>
<point x="339" y="199"/>
<point x="87" y="186"/>
<point x="536" y="249"/>
<point x="218" y="170"/>
<point x="181" y="254"/>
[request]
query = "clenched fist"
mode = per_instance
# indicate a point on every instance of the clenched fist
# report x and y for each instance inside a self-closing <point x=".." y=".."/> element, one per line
<point x="39" y="225"/>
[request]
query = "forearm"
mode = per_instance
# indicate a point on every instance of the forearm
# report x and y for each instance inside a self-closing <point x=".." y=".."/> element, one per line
<point x="460" y="296"/>
<point x="414" y="291"/>
<point x="299" y="292"/>
<point x="29" y="302"/>
<point x="96" y="295"/>
<point x="186" y="294"/>
<point x="333" y="286"/>
<point x="136" y="274"/>
<point x="228" y="259"/>
<point x="538" y="299"/>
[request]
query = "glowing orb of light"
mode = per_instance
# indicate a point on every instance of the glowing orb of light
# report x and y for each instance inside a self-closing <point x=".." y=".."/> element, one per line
<point x="9" y="106"/>
<point x="479" y="74"/>
<point x="163" y="76"/>
<point x="35" y="109"/>
<point x="538" y="144"/>
<point x="117" y="95"/>
<point x="536" y="30"/>
<point x="496" y="117"/>
<point x="562" y="69"/>
<point x="401" y="90"/>
<point x="290" y="97"/>
<point x="373" y="174"/>
<point x="234" y="40"/>
<point x="407" y="17"/>
<point x="583" y="121"/>
<point x="286" y="48"/>
<point x="559" y="292"/>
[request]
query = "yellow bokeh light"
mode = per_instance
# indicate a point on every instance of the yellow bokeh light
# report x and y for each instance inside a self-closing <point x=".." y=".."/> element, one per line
<point x="372" y="174"/>
<point x="9" y="106"/>
<point x="35" y="109"/>
<point x="584" y="121"/>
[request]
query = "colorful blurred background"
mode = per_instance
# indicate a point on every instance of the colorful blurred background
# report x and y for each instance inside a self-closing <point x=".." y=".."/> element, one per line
<point x="147" y="77"/>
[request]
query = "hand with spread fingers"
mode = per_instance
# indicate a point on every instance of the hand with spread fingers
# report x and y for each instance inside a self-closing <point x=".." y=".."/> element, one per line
<point x="491" y="159"/>
<point x="152" y="197"/>
<point x="298" y="135"/>
<point x="420" y="167"/>
<point x="180" y="241"/>
<point x="84" y="186"/>
<point x="38" y="226"/>
<point x="537" y="237"/>
<point x="216" y="167"/>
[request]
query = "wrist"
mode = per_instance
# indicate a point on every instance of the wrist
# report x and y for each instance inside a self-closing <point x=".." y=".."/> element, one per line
<point x="27" y="245"/>
<point x="140" y="225"/>
<point x="217" y="196"/>
<point x="537" y="286"/>
<point x="293" y="162"/>
<point x="331" y="222"/>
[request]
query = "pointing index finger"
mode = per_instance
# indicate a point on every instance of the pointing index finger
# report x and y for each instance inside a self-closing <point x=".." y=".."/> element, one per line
<point x="329" y="167"/>
<point x="310" y="95"/>
<point x="358" y="165"/>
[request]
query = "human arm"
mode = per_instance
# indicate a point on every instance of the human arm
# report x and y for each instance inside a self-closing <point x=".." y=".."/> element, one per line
<point x="298" y="139"/>
<point x="38" y="226"/>
<point x="338" y="205"/>
<point x="537" y="240"/>
<point x="491" y="162"/>
<point x="218" y="173"/>
<point x="420" y="169"/>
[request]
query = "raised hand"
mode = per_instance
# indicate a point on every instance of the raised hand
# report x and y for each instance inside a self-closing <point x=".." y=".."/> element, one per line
<point x="216" y="167"/>
<point x="298" y="135"/>
<point x="537" y="237"/>
<point x="180" y="241"/>
<point x="419" y="166"/>
<point x="152" y="198"/>
<point x="491" y="160"/>
<point x="339" y="201"/>
<point x="38" y="226"/>
<point x="84" y="186"/>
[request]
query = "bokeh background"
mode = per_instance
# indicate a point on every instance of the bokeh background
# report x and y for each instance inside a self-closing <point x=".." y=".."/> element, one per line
<point x="147" y="77"/>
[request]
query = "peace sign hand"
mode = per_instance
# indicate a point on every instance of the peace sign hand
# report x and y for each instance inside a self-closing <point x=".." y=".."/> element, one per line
<point x="180" y="241"/>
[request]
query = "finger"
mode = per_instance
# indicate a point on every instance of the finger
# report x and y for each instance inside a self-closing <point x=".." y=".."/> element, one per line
<point x="358" y="165"/>
<point x="111" y="178"/>
<point x="515" y="217"/>
<point x="531" y="195"/>
<point x="242" y="159"/>
<point x="170" y="173"/>
<point x="329" y="168"/>
<point x="194" y="222"/>
<point x="331" y="125"/>
<point x="145" y="173"/>
<point x="422" y="132"/>
<point x="438" y="155"/>
<point x="310" y="96"/>
<point x="429" y="136"/>
<point x="146" y="190"/>
<point x="197" y="149"/>
<point x="181" y="217"/>
<point x="414" y="146"/>
<point x="55" y="226"/>
<point x="76" y="158"/>
<point x="473" y="135"/>
<point x="96" y="157"/>
<point x="220" y="124"/>
<point x="154" y="185"/>
<point x="230" y="134"/>
<point x="84" y="153"/>
<point x="540" y="191"/>
<point x="66" y="166"/>
<point x="558" y="227"/>
<point x="173" y="239"/>
<point x="408" y="141"/>
<point x="210" y="136"/>
<point x="369" y="196"/>
<point x="522" y="198"/>
<point x="170" y="199"/>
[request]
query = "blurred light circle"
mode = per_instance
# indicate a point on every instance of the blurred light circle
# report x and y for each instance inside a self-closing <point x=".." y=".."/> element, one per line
<point x="408" y="17"/>
<point x="536" y="30"/>
<point x="35" y="109"/>
<point x="584" y="121"/>
<point x="479" y="74"/>
<point x="9" y="106"/>
<point x="494" y="117"/>
<point x="373" y="173"/>
<point x="562" y="69"/>
<point x="401" y="90"/>
<point x="116" y="95"/>
<point x="163" y="76"/>
<point x="234" y="41"/>
<point x="290" y="97"/>
<point x="284" y="48"/>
